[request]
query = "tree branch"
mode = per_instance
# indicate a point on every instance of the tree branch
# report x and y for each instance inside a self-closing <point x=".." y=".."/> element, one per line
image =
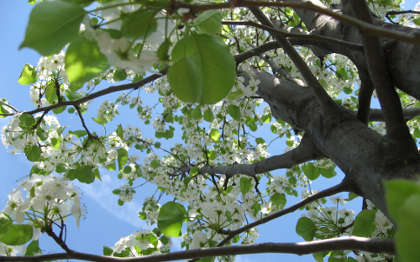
<point x="306" y="5"/>
<point x="317" y="37"/>
<point x="304" y="152"/>
<point x="299" y="248"/>
<point x="365" y="95"/>
<point x="343" y="186"/>
<point x="378" y="115"/>
<point x="396" y="127"/>
<point x="327" y="104"/>
<point x="103" y="92"/>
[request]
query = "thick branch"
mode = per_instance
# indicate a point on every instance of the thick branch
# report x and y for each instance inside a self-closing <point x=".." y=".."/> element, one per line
<point x="306" y="5"/>
<point x="365" y="95"/>
<point x="304" y="152"/>
<point x="299" y="248"/>
<point x="343" y="186"/>
<point x="388" y="97"/>
<point x="378" y="115"/>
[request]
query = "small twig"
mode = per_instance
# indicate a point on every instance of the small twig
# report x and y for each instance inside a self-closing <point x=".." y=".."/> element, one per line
<point x="388" y="14"/>
<point x="9" y="106"/>
<point x="322" y="38"/>
<point x="57" y="239"/>
<point x="83" y="123"/>
<point x="343" y="186"/>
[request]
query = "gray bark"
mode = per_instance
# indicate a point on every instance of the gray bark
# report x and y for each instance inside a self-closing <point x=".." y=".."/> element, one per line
<point x="365" y="157"/>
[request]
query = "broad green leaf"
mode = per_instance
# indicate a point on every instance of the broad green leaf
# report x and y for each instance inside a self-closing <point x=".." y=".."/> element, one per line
<point x="234" y="112"/>
<point x="28" y="75"/>
<point x="100" y="120"/>
<point x="84" y="61"/>
<point x="107" y="251"/>
<point x="84" y="174"/>
<point x="196" y="113"/>
<point x="306" y="228"/>
<point x="209" y="22"/>
<point x="397" y="192"/>
<point x="119" y="75"/>
<point x="33" y="248"/>
<point x="122" y="157"/>
<point x="5" y="222"/>
<point x="52" y="24"/>
<point x="32" y="152"/>
<point x="364" y="224"/>
<point x="310" y="171"/>
<point x="51" y="92"/>
<point x="408" y="231"/>
<point x="208" y="115"/>
<point x="170" y="219"/>
<point x="120" y="131"/>
<point x="209" y="65"/>
<point x="328" y="172"/>
<point x="78" y="133"/>
<point x="26" y="121"/>
<point x="139" y="24"/>
<point x="17" y="234"/>
<point x="245" y="185"/>
<point x="279" y="200"/>
<point x="155" y="163"/>
<point x="214" y="135"/>
<point x="163" y="50"/>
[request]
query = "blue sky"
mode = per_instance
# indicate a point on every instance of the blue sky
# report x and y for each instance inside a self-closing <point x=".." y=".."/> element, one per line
<point x="105" y="221"/>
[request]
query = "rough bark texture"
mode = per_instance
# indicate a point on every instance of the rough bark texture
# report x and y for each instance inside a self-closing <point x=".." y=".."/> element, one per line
<point x="363" y="155"/>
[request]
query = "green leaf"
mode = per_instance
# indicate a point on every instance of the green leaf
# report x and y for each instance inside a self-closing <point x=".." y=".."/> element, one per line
<point x="245" y="185"/>
<point x="28" y="75"/>
<point x="328" y="172"/>
<point x="119" y="75"/>
<point x="78" y="133"/>
<point x="310" y="171"/>
<point x="209" y="65"/>
<point x="408" y="231"/>
<point x="5" y="223"/>
<point x="214" y="135"/>
<point x="234" y="112"/>
<point x="17" y="234"/>
<point x="170" y="219"/>
<point x="155" y="163"/>
<point x="208" y="115"/>
<point x="33" y="248"/>
<point x="84" y="174"/>
<point x="100" y="120"/>
<point x="120" y="131"/>
<point x="32" y="152"/>
<point x="279" y="200"/>
<point x="196" y="113"/>
<point x="364" y="224"/>
<point x="139" y="24"/>
<point x="209" y="22"/>
<point x="84" y="61"/>
<point x="51" y="92"/>
<point x="162" y="51"/>
<point x="52" y="24"/>
<point x="26" y="121"/>
<point x="397" y="192"/>
<point x="107" y="251"/>
<point x="122" y="157"/>
<point x="306" y="228"/>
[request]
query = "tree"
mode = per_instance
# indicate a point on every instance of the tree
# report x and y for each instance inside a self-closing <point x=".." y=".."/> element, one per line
<point x="220" y="71"/>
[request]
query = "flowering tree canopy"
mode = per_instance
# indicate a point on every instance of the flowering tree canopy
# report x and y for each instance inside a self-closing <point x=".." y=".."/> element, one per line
<point x="207" y="77"/>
